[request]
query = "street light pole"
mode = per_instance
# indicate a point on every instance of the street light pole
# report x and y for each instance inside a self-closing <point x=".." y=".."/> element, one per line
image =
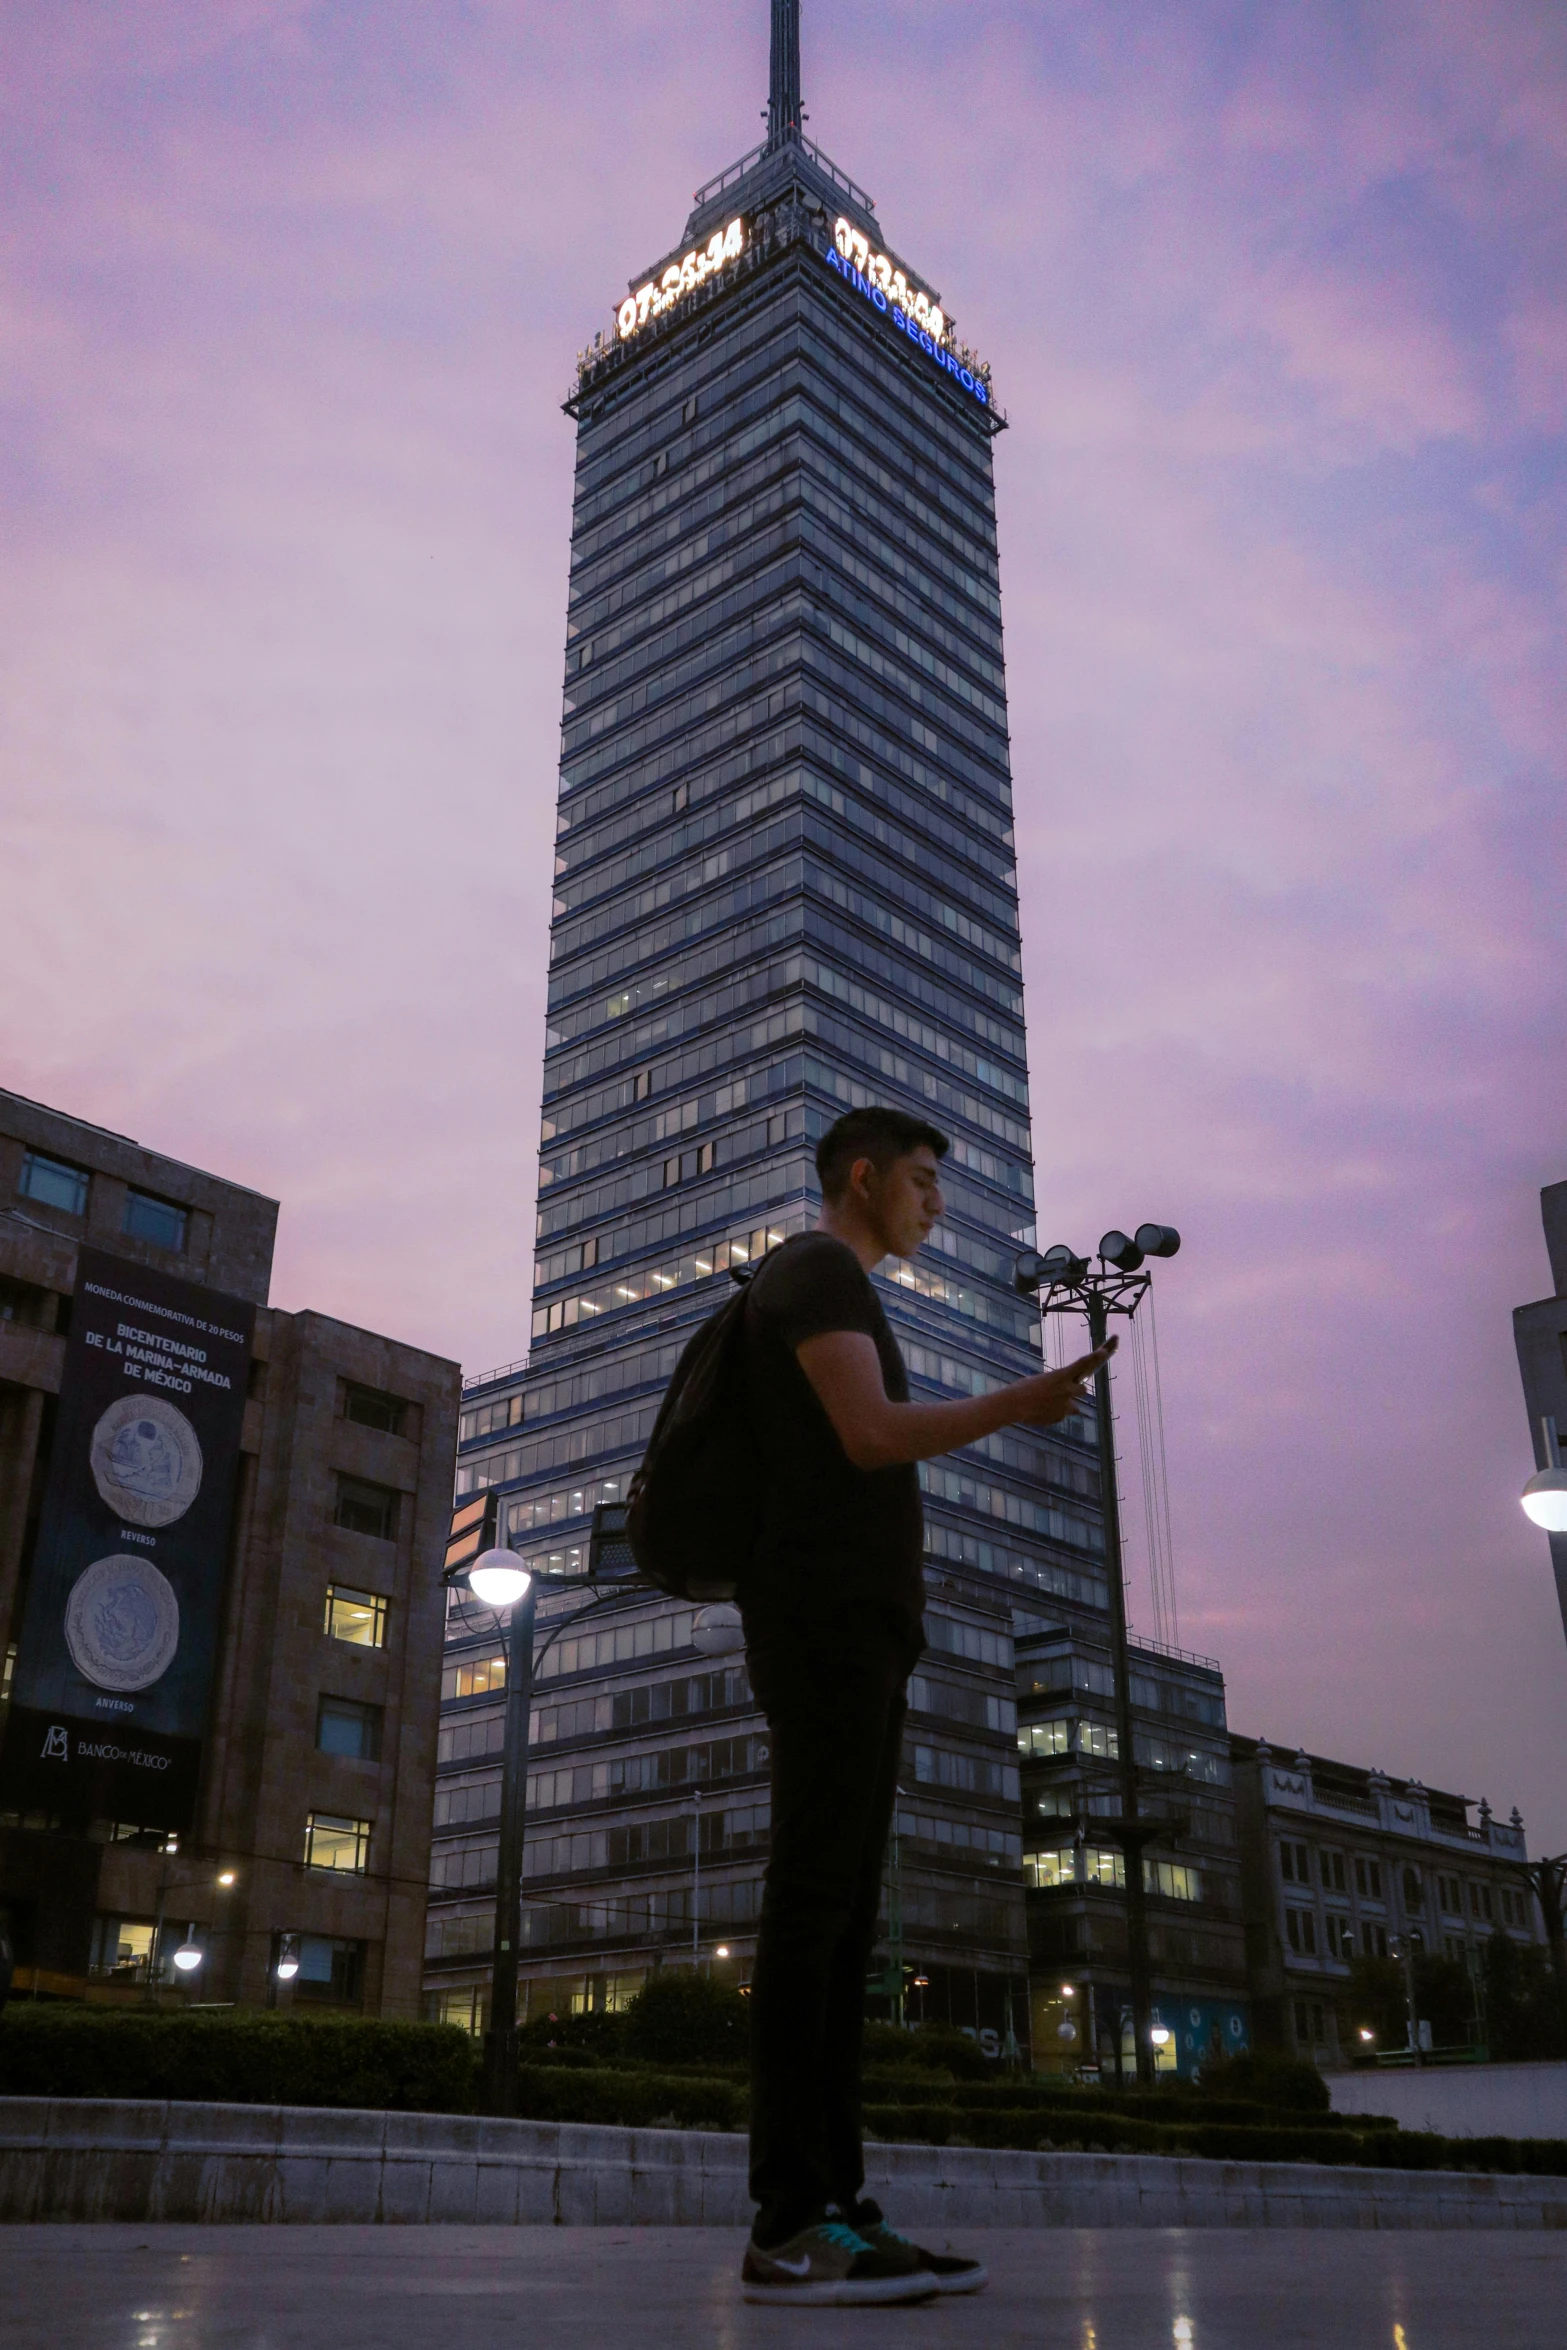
<point x="498" y="1578"/>
<point x="1119" y="1286"/>
<point x="1133" y="1836"/>
<point x="500" y="2041"/>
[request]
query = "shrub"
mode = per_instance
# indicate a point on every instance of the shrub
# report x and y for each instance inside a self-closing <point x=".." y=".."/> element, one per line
<point x="583" y="2039"/>
<point x="681" y="2016"/>
<point x="239" y="2059"/>
<point x="931" y="2048"/>
<point x="1269" y="2078"/>
<point x="635" y="2100"/>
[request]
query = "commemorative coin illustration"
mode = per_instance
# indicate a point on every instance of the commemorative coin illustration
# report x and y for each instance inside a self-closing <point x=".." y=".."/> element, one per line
<point x="146" y="1460"/>
<point x="122" y="1623"/>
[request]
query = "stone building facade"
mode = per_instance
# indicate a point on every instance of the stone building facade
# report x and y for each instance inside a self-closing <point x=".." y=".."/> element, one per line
<point x="1337" y="1863"/>
<point x="311" y="1837"/>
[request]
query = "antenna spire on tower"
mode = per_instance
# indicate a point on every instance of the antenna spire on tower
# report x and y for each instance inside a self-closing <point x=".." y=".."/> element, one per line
<point x="783" y="88"/>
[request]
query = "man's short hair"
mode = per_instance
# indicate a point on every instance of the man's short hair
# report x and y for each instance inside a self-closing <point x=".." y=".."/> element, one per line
<point x="878" y="1134"/>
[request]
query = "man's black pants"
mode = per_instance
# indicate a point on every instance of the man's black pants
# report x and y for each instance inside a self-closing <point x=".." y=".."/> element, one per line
<point x="834" y="1710"/>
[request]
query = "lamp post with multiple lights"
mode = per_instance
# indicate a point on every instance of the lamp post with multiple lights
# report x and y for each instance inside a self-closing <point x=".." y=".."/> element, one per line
<point x="498" y="1579"/>
<point x="1065" y="1283"/>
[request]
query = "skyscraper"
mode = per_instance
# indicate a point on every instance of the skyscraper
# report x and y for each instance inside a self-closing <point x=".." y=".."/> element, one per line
<point x="785" y="886"/>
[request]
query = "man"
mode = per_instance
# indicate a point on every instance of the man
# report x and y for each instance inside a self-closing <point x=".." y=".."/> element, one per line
<point x="832" y="1608"/>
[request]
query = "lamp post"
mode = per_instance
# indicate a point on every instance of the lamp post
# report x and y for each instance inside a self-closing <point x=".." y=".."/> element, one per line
<point x="1066" y="1284"/>
<point x="499" y="1579"/>
<point x="1544" y="1498"/>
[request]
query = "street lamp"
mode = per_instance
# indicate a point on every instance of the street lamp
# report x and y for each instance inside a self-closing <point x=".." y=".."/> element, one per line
<point x="498" y="1579"/>
<point x="1544" y="1498"/>
<point x="188" y="1958"/>
<point x="288" y="1958"/>
<point x="1067" y="1284"/>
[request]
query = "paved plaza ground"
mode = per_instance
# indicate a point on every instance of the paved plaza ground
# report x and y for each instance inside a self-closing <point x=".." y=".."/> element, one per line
<point x="379" y="2288"/>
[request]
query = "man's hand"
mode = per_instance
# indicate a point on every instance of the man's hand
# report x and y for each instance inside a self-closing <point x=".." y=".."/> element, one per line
<point x="1054" y="1395"/>
<point x="876" y="1433"/>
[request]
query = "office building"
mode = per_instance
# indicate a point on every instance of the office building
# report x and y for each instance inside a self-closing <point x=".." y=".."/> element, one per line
<point x="1338" y="1863"/>
<point x="1069" y="1750"/>
<point x="785" y="886"/>
<point x="236" y="1734"/>
<point x="1540" y="1335"/>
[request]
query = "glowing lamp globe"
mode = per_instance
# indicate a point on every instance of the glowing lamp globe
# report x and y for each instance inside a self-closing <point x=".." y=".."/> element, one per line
<point x="287" y="1969"/>
<point x="498" y="1578"/>
<point x="1544" y="1499"/>
<point x="187" y="1957"/>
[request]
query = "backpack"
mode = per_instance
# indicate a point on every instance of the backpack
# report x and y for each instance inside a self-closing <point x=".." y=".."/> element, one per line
<point x="695" y="1501"/>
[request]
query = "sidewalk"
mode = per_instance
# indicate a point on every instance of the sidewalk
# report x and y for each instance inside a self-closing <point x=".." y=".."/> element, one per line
<point x="376" y="2288"/>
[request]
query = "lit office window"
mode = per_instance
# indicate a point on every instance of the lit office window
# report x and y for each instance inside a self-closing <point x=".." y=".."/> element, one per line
<point x="345" y="1727"/>
<point x="53" y="1183"/>
<point x="334" y="1843"/>
<point x="356" y="1616"/>
<point x="1044" y="1870"/>
<point x="475" y="1678"/>
<point x="157" y="1220"/>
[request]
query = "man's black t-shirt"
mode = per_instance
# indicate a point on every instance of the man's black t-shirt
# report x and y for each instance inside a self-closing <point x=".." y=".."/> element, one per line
<point x="834" y="1538"/>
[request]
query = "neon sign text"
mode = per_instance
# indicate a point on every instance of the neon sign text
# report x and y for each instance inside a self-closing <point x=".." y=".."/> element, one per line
<point x="909" y="325"/>
<point x="679" y="279"/>
<point x="878" y="271"/>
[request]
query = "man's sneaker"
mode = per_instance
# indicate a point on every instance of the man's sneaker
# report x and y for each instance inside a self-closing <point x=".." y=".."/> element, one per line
<point x="831" y="2263"/>
<point x="951" y="2273"/>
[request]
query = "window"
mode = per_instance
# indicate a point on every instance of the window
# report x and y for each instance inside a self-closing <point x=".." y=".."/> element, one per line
<point x="1368" y="1877"/>
<point x="1103" y="1866"/>
<point x="1450" y="1894"/>
<point x="1300" y="1929"/>
<point x="1294" y="1862"/>
<point x="476" y="1677"/>
<point x="1513" y="1911"/>
<point x="25" y="1302"/>
<point x="1310" y="2024"/>
<point x="356" y="1616"/>
<point x="1373" y="1940"/>
<point x="366" y="1509"/>
<point x="123" y="1949"/>
<point x="1339" y="1936"/>
<point x="1097" y="1738"/>
<point x="157" y="1220"/>
<point x="371" y="1409"/>
<point x="53" y="1183"/>
<point x="1414" y="1893"/>
<point x="1480" y="1903"/>
<point x="1043" y="1870"/>
<point x="1044" y="1738"/>
<point x="334" y="1843"/>
<point x="464" y="2007"/>
<point x="331" y="1973"/>
<point x="1174" y="1879"/>
<point x="700" y="1161"/>
<point x="343" y="1726"/>
<point x="1335" y="1878"/>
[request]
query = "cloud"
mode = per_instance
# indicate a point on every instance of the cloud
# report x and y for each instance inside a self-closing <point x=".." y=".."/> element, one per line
<point x="288" y="301"/>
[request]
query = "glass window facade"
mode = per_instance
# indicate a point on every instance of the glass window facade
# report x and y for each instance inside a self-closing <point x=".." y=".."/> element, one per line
<point x="784" y="887"/>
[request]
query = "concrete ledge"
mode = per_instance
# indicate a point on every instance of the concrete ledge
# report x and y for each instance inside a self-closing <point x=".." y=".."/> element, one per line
<point x="107" y="2159"/>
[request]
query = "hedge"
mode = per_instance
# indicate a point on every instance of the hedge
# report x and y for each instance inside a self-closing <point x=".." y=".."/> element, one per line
<point x="636" y="2100"/>
<point x="48" y="2051"/>
<point x="1030" y="2130"/>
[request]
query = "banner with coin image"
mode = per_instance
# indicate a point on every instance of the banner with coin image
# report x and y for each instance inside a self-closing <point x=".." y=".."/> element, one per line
<point x="119" y="1638"/>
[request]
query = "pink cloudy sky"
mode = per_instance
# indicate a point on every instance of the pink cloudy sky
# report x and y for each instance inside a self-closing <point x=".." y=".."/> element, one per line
<point x="1274" y="297"/>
